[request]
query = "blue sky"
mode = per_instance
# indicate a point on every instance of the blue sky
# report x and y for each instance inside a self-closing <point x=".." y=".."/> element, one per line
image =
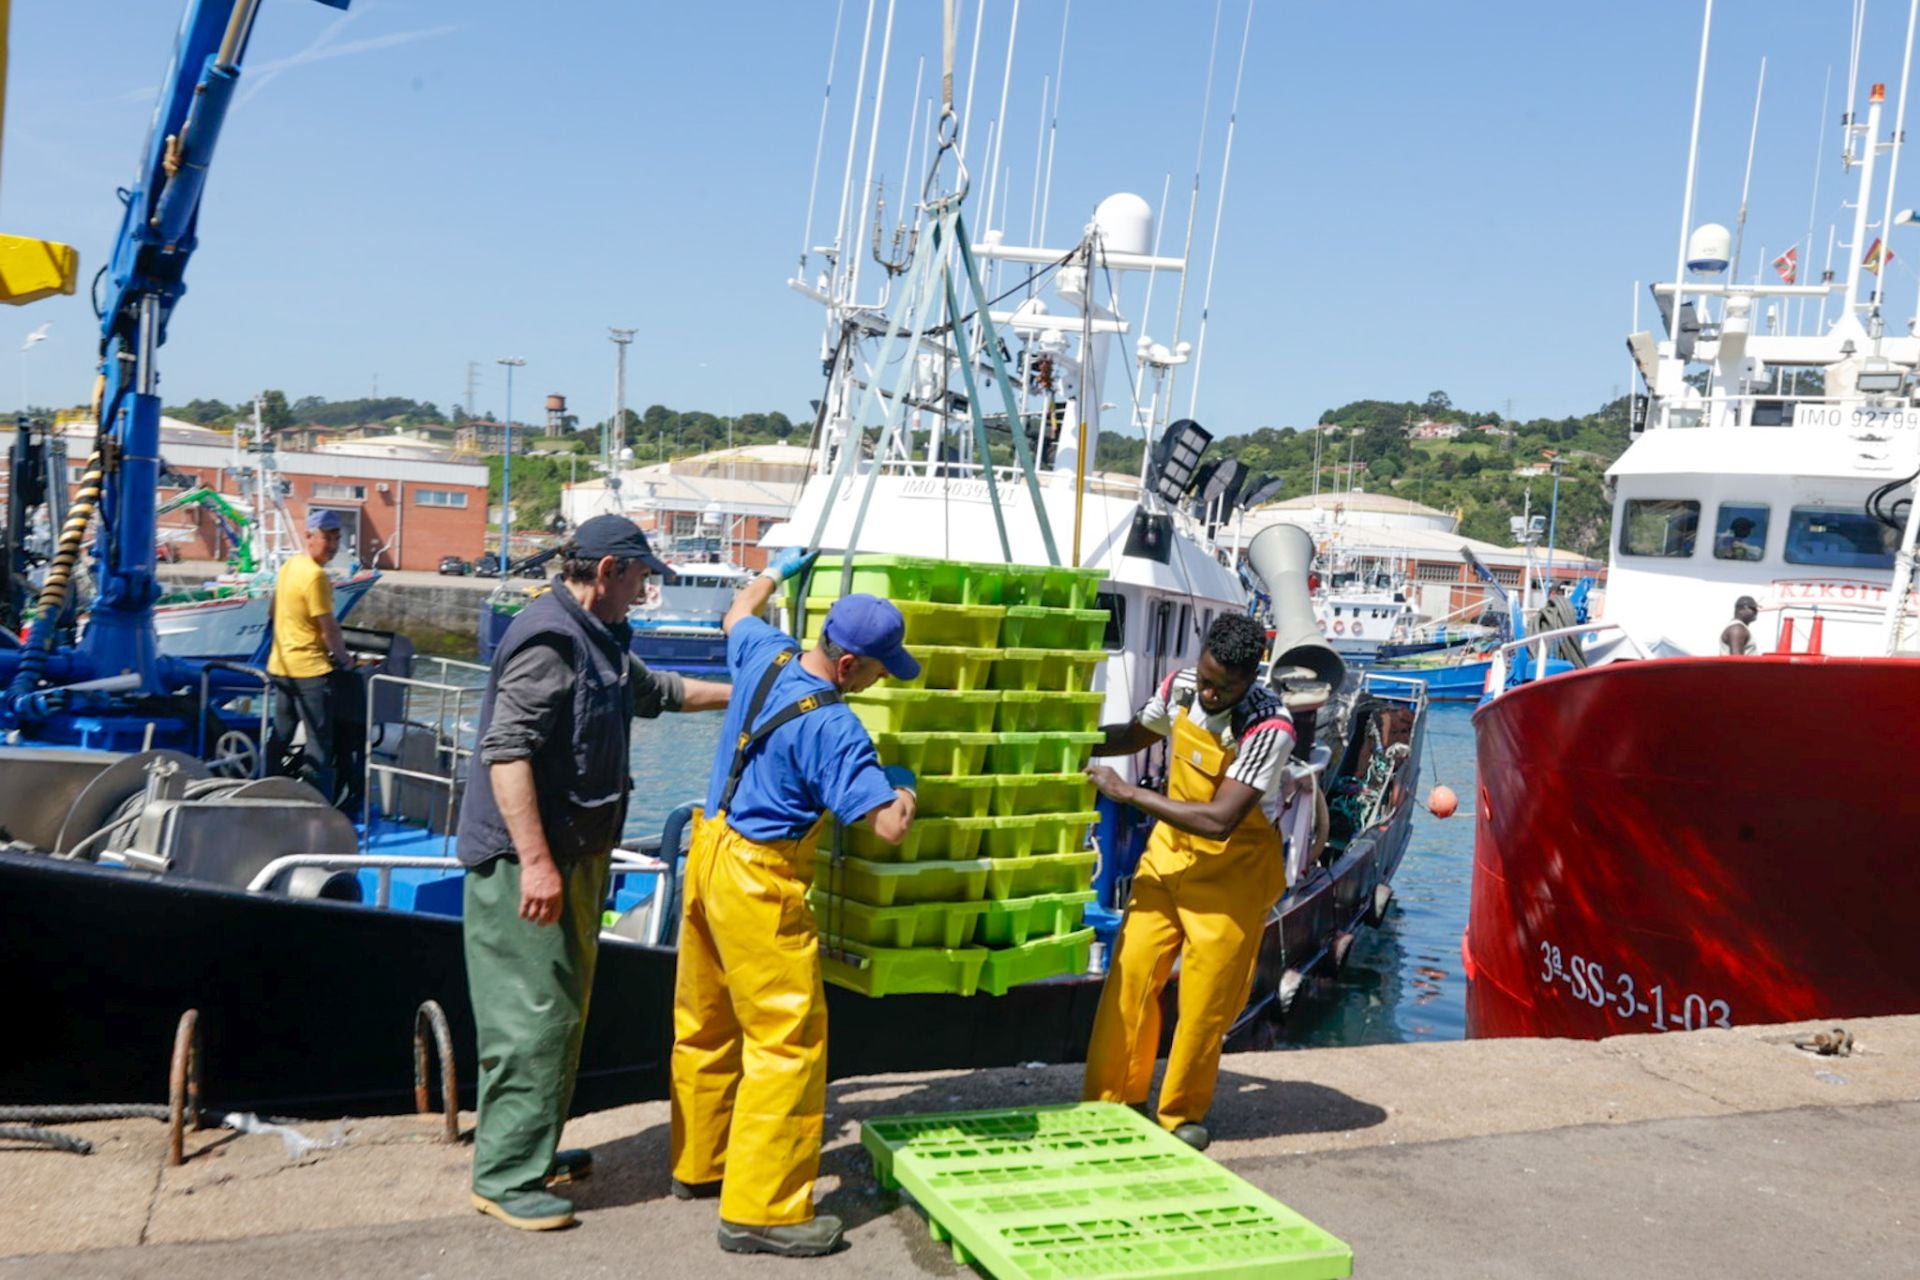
<point x="1453" y="196"/>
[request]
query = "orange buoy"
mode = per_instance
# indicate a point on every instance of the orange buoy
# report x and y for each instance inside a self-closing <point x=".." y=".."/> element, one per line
<point x="1441" y="802"/>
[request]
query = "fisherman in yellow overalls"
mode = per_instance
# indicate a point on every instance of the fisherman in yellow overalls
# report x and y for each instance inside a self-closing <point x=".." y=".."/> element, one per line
<point x="749" y="1012"/>
<point x="1213" y="868"/>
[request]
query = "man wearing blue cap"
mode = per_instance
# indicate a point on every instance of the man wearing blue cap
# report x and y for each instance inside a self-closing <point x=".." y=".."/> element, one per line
<point x="545" y="804"/>
<point x="306" y="651"/>
<point x="750" y="1014"/>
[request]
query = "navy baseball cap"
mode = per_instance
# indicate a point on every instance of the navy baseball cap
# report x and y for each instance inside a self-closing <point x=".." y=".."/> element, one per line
<point x="320" y="518"/>
<point x="872" y="628"/>
<point x="616" y="536"/>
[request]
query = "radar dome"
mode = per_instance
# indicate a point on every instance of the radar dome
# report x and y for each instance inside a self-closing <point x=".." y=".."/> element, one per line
<point x="1125" y="223"/>
<point x="1709" y="248"/>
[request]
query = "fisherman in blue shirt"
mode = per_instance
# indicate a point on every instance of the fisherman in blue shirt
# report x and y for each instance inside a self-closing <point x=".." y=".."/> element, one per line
<point x="750" y="1014"/>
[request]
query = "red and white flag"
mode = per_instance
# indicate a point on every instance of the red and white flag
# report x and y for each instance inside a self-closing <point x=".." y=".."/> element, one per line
<point x="1788" y="265"/>
<point x="1877" y="257"/>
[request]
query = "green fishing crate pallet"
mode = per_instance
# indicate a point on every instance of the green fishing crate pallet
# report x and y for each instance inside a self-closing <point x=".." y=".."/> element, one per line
<point x="927" y="840"/>
<point x="940" y="755"/>
<point x="885" y="710"/>
<point x="1016" y="921"/>
<point x="913" y="924"/>
<point x="950" y="667"/>
<point x="1045" y="670"/>
<point x="882" y="884"/>
<point x="1036" y="960"/>
<point x="957" y="581"/>
<point x="974" y="626"/>
<point x="1029" y="834"/>
<point x="1038" y="873"/>
<point x="958" y="797"/>
<point x="1033" y="627"/>
<point x="1060" y="751"/>
<point x="892" y="971"/>
<point x="1019" y="712"/>
<point x="1041" y="793"/>
<point x="1081" y="1191"/>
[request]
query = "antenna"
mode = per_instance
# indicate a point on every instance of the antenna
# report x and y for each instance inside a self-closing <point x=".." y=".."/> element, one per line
<point x="820" y="140"/>
<point x="1053" y="123"/>
<point x="1813" y="201"/>
<point x="1746" y="184"/>
<point x="1193" y="200"/>
<point x="1893" y="165"/>
<point x="1693" y="161"/>
<point x="842" y="237"/>
<point x="1000" y="121"/>
<point x="873" y="147"/>
<point x="1219" y="212"/>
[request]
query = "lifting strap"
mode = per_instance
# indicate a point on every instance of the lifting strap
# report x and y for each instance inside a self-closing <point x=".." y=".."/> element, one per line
<point x="751" y="737"/>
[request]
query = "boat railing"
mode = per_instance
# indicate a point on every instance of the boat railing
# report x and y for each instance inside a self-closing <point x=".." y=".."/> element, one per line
<point x="1406" y="688"/>
<point x="251" y="764"/>
<point x="1543" y="641"/>
<point x="452" y="701"/>
<point x="625" y="862"/>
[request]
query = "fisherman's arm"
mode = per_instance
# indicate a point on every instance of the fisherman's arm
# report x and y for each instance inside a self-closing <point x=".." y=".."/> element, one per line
<point x="1213" y="819"/>
<point x="754" y="596"/>
<point x="658" y="691"/>
<point x="1126" y="739"/>
<point x="527" y="703"/>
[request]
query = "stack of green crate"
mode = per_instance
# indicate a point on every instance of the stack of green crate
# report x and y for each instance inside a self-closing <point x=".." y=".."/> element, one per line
<point x="987" y="890"/>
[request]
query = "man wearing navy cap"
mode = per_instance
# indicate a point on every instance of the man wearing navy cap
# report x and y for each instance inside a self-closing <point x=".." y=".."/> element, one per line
<point x="750" y="1014"/>
<point x="307" y="650"/>
<point x="545" y="804"/>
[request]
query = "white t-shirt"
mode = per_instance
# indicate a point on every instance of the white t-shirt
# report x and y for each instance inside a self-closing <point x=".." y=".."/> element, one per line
<point x="1258" y="725"/>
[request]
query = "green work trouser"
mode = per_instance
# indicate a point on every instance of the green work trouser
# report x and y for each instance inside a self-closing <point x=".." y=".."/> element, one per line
<point x="529" y="985"/>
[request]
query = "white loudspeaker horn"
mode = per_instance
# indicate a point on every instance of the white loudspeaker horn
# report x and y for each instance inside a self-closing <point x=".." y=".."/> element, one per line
<point x="1281" y="555"/>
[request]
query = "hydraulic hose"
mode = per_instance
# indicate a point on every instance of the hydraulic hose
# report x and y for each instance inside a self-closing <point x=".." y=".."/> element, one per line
<point x="54" y="593"/>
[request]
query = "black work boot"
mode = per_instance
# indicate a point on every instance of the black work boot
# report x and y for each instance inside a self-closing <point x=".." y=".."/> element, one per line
<point x="571" y="1165"/>
<point x="694" y="1190"/>
<point x="1194" y="1135"/>
<point x="821" y="1235"/>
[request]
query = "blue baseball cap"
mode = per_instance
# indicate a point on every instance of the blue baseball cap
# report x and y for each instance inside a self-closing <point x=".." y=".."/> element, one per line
<point x="320" y="518"/>
<point x="872" y="628"/>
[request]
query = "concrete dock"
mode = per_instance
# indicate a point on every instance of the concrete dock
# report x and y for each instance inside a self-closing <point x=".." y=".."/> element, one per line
<point x="1710" y="1153"/>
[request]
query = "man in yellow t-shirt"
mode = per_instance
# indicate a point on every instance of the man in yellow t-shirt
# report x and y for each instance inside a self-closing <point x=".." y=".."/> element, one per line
<point x="307" y="651"/>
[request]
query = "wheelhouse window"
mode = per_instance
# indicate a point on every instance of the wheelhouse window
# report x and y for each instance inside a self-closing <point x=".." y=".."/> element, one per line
<point x="1116" y="606"/>
<point x="1842" y="537"/>
<point x="1659" y="527"/>
<point x="1740" y="531"/>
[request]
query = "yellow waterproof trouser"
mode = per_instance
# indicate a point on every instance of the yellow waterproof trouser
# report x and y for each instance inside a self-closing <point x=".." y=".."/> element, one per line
<point x="1204" y="902"/>
<point x="749" y="1027"/>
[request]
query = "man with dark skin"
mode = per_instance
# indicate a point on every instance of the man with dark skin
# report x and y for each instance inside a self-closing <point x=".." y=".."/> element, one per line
<point x="1213" y="868"/>
<point x="1737" y="637"/>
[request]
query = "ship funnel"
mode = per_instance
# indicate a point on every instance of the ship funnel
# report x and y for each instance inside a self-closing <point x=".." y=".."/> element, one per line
<point x="1281" y="555"/>
<point x="1708" y="249"/>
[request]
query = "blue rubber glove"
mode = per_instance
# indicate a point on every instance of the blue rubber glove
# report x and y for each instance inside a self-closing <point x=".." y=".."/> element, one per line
<point x="785" y="564"/>
<point x="902" y="777"/>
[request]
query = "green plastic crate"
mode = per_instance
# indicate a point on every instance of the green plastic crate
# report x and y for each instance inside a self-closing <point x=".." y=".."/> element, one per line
<point x="1017" y="921"/>
<point x="937" y="755"/>
<point x="1015" y="794"/>
<point x="885" y="710"/>
<point x="1052" y="670"/>
<point x="957" y="797"/>
<point x="913" y="924"/>
<point x="1055" y="752"/>
<point x="893" y="971"/>
<point x="1081" y="1191"/>
<point x="928" y="839"/>
<point x="1048" y="712"/>
<point x="1028" y="834"/>
<point x="1054" y="957"/>
<point x="1054" y="588"/>
<point x="893" y="578"/>
<point x="881" y="884"/>
<point x="949" y="667"/>
<point x="1039" y="873"/>
<point x="974" y="626"/>
<point x="1034" y="627"/>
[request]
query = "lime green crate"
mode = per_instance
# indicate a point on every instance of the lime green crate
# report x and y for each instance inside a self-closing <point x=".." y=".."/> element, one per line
<point x="973" y="626"/>
<point x="1010" y="967"/>
<point x="1058" y="670"/>
<point x="937" y="755"/>
<point x="1041" y="793"/>
<point x="1024" y="836"/>
<point x="1017" y="921"/>
<point x="895" y="578"/>
<point x="1054" y="588"/>
<point x="1032" y="627"/>
<point x="881" y="884"/>
<point x="885" y="710"/>
<point x="957" y="797"/>
<point x="1055" y="752"/>
<point x="949" y="667"/>
<point x="1038" y="873"/>
<point x="928" y="839"/>
<point x="1078" y="1191"/>
<point x="895" y="971"/>
<point x="1048" y="712"/>
<point x="913" y="924"/>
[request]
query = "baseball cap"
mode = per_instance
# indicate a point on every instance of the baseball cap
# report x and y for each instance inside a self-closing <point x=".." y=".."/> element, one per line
<point x="320" y="518"/>
<point x="872" y="628"/>
<point x="616" y="536"/>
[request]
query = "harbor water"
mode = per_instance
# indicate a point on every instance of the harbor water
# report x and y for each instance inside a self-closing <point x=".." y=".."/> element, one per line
<point x="1401" y="982"/>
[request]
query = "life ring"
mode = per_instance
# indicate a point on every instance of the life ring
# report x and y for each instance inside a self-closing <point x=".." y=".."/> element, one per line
<point x="1356" y="627"/>
<point x="1339" y="627"/>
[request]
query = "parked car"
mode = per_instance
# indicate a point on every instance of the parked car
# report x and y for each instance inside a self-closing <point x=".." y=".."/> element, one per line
<point x="455" y="566"/>
<point x="488" y="565"/>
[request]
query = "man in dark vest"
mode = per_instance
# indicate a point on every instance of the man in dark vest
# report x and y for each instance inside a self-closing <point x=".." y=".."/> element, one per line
<point x="546" y="800"/>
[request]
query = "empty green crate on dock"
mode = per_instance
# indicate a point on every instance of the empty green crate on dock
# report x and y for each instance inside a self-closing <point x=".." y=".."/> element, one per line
<point x="893" y="971"/>
<point x="1015" y="794"/>
<point x="958" y="797"/>
<point x="1039" y="873"/>
<point x="882" y="884"/>
<point x="1016" y="921"/>
<point x="927" y="840"/>
<point x="912" y="924"/>
<point x="1047" y="712"/>
<point x="885" y="710"/>
<point x="1030" y="834"/>
<point x="1059" y="751"/>
<point x="938" y="755"/>
<point x="1056" y="670"/>
<point x="1033" y="627"/>
<point x="1009" y="967"/>
<point x="949" y="667"/>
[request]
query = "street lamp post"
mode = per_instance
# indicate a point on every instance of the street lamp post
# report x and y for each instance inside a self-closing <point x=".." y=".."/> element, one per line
<point x="506" y="469"/>
<point x="1553" y="521"/>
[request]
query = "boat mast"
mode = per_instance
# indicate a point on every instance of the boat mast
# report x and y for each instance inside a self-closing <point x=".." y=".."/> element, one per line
<point x="1686" y="201"/>
<point x="1893" y="171"/>
<point x="1746" y="183"/>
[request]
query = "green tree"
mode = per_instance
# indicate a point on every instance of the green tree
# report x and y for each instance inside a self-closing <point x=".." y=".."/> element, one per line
<point x="274" y="413"/>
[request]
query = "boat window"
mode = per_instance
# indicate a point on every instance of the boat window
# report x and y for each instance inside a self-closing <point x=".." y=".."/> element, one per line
<point x="1116" y="606"/>
<point x="1186" y="625"/>
<point x="1844" y="537"/>
<point x="1162" y="617"/>
<point x="1659" y="527"/>
<point x="1740" y="531"/>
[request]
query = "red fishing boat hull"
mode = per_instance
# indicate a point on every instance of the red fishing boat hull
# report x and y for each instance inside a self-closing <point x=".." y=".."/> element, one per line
<point x="1693" y="842"/>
